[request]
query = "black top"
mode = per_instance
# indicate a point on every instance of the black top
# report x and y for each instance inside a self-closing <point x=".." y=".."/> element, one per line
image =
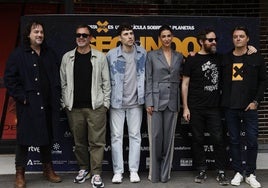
<point x="254" y="81"/>
<point x="203" y="71"/>
<point x="44" y="82"/>
<point x="82" y="80"/>
<point x="237" y="83"/>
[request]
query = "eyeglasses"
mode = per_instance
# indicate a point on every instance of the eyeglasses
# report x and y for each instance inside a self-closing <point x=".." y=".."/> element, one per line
<point x="84" y="35"/>
<point x="211" y="39"/>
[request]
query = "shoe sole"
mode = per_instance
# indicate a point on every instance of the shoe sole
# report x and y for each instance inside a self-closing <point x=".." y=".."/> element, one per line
<point x="135" y="181"/>
<point x="82" y="180"/>
<point x="222" y="183"/>
<point x="54" y="181"/>
<point x="116" y="182"/>
<point x="97" y="186"/>
<point x="235" y="184"/>
<point x="251" y="185"/>
<point x="200" y="180"/>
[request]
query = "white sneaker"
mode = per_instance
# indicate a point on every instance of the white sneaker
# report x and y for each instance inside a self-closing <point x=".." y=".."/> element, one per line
<point x="117" y="178"/>
<point x="251" y="180"/>
<point x="134" y="177"/>
<point x="82" y="176"/>
<point x="238" y="178"/>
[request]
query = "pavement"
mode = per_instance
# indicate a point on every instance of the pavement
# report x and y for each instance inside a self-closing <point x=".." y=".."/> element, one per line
<point x="179" y="179"/>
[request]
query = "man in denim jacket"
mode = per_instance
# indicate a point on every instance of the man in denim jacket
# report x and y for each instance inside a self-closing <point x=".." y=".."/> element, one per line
<point x="127" y="74"/>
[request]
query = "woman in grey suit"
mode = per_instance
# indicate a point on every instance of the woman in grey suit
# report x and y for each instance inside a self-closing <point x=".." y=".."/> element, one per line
<point x="162" y="104"/>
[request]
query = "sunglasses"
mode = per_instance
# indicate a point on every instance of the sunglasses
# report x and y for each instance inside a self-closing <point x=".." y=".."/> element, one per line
<point x="84" y="35"/>
<point x="211" y="39"/>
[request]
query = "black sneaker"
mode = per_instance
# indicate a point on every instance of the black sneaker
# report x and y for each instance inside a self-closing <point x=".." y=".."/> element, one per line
<point x="201" y="177"/>
<point x="96" y="182"/>
<point x="221" y="178"/>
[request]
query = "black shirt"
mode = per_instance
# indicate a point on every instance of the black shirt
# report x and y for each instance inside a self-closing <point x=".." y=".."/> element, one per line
<point x="82" y="80"/>
<point x="203" y="71"/>
<point x="237" y="81"/>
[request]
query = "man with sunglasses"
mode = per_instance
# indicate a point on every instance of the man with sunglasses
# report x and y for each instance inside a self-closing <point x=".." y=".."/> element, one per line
<point x="86" y="91"/>
<point x="201" y="98"/>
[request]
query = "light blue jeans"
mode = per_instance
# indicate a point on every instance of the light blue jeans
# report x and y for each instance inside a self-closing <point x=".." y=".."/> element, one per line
<point x="117" y="119"/>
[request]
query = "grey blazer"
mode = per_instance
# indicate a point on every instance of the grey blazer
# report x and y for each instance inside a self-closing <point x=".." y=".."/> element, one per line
<point x="163" y="81"/>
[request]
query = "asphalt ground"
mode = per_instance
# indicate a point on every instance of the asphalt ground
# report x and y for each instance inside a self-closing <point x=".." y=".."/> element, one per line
<point x="179" y="179"/>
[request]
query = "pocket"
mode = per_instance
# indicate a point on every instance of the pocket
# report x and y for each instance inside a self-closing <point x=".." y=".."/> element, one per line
<point x="252" y="68"/>
<point x="155" y="96"/>
<point x="164" y="90"/>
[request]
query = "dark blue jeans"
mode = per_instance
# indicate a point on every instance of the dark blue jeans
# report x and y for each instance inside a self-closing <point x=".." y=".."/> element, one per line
<point x="238" y="120"/>
<point x="207" y="120"/>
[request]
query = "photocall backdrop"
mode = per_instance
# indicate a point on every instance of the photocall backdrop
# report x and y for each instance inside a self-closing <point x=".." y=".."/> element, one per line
<point x="60" y="35"/>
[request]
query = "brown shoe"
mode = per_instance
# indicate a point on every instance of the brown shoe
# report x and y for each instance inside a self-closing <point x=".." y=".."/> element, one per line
<point x="20" y="179"/>
<point x="49" y="173"/>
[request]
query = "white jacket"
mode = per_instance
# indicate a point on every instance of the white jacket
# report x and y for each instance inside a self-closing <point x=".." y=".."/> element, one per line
<point x="100" y="86"/>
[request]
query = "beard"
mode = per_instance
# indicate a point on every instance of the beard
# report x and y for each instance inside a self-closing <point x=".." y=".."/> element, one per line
<point x="213" y="49"/>
<point x="210" y="49"/>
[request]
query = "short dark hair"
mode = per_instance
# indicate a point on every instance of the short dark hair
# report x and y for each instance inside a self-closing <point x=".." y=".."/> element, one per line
<point x="243" y="28"/>
<point x="202" y="34"/>
<point x="124" y="27"/>
<point x="27" y="31"/>
<point x="164" y="27"/>
<point x="84" y="26"/>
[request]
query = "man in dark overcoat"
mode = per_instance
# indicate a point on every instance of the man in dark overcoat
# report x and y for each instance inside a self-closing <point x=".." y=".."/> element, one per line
<point x="32" y="79"/>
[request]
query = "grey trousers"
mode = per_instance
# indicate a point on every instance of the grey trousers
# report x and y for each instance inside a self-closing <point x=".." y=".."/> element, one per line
<point x="161" y="129"/>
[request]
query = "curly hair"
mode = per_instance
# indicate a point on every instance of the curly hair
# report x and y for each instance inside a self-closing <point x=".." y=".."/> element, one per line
<point x="202" y="34"/>
<point x="27" y="31"/>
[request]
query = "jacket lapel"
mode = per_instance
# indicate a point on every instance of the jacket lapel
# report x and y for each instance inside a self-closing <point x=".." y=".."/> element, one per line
<point x="162" y="58"/>
<point x="174" y="59"/>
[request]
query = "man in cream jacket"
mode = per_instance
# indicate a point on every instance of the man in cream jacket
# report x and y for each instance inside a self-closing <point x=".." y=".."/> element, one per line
<point x="86" y="92"/>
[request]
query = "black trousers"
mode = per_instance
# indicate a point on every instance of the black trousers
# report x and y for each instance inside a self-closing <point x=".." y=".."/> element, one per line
<point x="21" y="151"/>
<point x="207" y="120"/>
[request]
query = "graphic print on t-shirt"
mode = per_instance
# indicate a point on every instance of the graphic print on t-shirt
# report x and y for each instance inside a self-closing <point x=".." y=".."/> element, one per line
<point x="237" y="72"/>
<point x="211" y="75"/>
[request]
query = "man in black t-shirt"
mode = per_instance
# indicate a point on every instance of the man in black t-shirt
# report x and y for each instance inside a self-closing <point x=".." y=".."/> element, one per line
<point x="201" y="97"/>
<point x="244" y="82"/>
<point x="86" y="90"/>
